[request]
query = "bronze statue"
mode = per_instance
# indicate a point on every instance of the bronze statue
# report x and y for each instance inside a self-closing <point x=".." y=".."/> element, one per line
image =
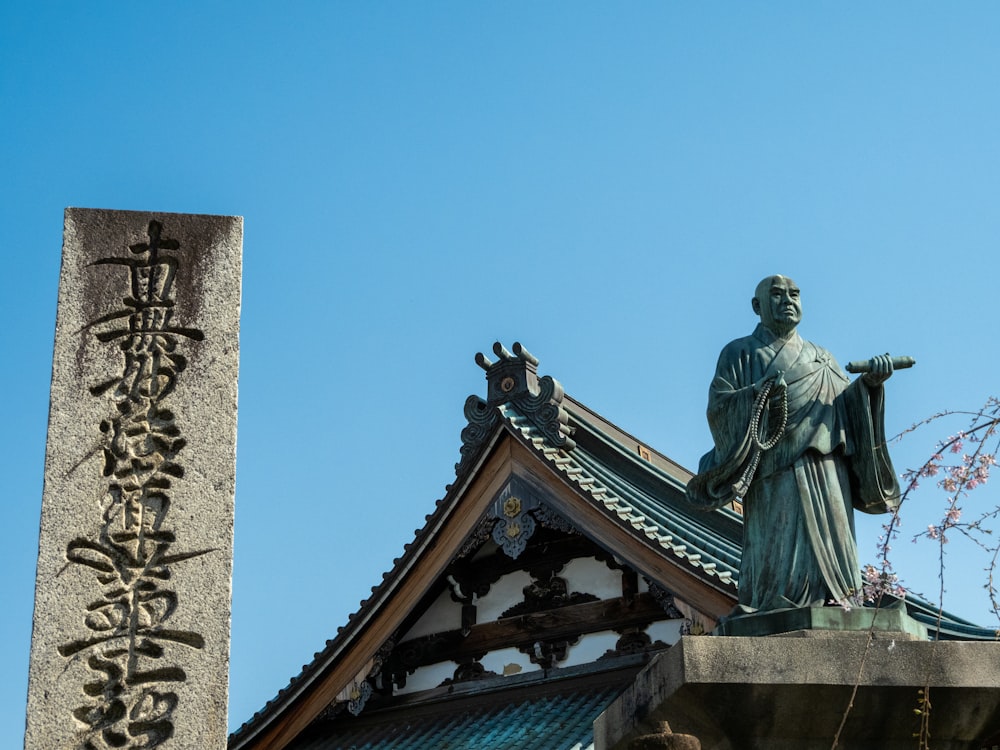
<point x="799" y="445"/>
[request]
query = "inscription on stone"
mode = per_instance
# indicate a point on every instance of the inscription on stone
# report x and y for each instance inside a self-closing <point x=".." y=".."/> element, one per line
<point x="130" y="703"/>
<point x="138" y="487"/>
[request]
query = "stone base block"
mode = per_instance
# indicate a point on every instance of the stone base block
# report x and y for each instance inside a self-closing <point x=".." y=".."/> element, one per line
<point x="790" y="693"/>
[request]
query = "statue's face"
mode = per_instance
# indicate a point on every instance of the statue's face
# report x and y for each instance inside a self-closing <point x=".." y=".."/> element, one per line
<point x="777" y="303"/>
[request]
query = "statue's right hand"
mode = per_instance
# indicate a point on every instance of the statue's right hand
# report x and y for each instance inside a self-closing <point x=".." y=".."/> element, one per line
<point x="879" y="370"/>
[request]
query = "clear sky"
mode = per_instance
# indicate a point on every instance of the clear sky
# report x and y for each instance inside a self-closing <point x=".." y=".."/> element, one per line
<point x="603" y="182"/>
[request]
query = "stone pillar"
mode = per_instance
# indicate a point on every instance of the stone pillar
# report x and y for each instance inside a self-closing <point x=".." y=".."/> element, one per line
<point x="130" y="645"/>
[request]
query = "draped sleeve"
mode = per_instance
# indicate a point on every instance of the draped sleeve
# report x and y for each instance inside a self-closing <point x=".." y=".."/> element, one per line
<point x="730" y="403"/>
<point x="874" y="486"/>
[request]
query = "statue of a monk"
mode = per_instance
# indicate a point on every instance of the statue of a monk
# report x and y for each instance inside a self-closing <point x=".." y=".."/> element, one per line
<point x="801" y="446"/>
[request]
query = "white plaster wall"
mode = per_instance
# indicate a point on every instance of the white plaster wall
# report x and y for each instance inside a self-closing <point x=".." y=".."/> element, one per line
<point x="594" y="645"/>
<point x="504" y="661"/>
<point x="443" y="614"/>
<point x="503" y="595"/>
<point x="425" y="678"/>
<point x="589" y="575"/>
<point x="668" y="631"/>
<point x="590" y="647"/>
<point x="508" y="661"/>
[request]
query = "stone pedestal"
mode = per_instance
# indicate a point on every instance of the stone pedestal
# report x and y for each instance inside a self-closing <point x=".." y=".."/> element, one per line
<point x="888" y="619"/>
<point x="789" y="692"/>
<point x="130" y="644"/>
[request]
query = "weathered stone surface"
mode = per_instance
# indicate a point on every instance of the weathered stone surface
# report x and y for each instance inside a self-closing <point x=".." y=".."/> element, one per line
<point x="665" y="739"/>
<point x="130" y="646"/>
<point x="790" y="692"/>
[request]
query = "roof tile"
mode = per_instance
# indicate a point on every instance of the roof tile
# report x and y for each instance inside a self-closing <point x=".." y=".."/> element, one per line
<point x="551" y="722"/>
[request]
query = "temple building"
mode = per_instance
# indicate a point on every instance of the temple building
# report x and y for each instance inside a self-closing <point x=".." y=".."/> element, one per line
<point x="562" y="560"/>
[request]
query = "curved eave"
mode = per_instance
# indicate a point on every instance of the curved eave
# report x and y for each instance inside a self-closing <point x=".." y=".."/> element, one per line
<point x="944" y="626"/>
<point x="626" y="490"/>
<point x="347" y="636"/>
<point x="637" y="500"/>
<point x="641" y="498"/>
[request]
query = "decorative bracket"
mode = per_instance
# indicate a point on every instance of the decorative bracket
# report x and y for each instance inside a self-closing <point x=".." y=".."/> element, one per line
<point x="517" y="510"/>
<point x="515" y="525"/>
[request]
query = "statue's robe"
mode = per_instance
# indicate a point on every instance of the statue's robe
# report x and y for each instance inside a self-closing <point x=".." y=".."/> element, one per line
<point x="799" y="548"/>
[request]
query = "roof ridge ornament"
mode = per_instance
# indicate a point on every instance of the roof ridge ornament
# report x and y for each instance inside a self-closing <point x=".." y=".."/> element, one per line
<point x="513" y="379"/>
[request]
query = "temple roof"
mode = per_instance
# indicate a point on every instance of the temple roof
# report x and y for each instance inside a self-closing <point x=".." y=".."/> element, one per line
<point x="643" y="491"/>
<point x="608" y="485"/>
<point x="560" y="721"/>
<point x="557" y="716"/>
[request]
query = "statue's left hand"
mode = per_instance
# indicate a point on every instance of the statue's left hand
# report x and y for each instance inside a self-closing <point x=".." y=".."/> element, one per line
<point x="879" y="371"/>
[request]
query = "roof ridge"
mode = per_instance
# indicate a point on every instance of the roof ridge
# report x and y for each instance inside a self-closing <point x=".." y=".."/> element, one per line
<point x="610" y="499"/>
<point x="513" y="379"/>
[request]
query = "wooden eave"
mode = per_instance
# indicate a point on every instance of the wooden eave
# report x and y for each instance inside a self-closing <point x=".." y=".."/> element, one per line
<point x="674" y="573"/>
<point x="452" y="699"/>
<point x="415" y="572"/>
<point x="466" y="503"/>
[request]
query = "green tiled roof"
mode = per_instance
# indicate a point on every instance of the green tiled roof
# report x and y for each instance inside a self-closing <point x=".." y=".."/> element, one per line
<point x="641" y="496"/>
<point x="551" y="722"/>
<point x="644" y="495"/>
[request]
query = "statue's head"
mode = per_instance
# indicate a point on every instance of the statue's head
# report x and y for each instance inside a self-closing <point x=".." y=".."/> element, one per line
<point x="776" y="301"/>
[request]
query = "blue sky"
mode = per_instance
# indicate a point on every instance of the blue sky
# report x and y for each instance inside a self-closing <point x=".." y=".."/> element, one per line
<point x="605" y="183"/>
